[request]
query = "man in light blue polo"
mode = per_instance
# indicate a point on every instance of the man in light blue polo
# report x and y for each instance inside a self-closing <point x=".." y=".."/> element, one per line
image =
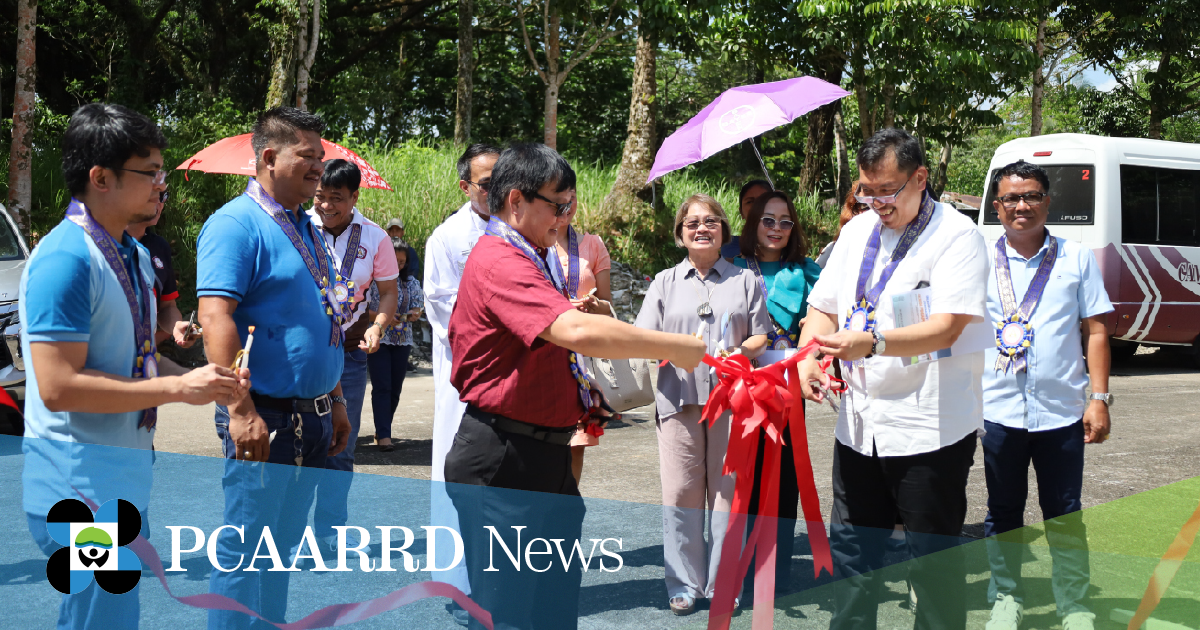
<point x="89" y="311"/>
<point x="260" y="264"/>
<point x="1036" y="408"/>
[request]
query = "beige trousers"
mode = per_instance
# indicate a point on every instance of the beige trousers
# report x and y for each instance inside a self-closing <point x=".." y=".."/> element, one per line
<point x="691" y="456"/>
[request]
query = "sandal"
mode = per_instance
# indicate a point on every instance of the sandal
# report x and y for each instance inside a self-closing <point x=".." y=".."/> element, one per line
<point x="682" y="605"/>
<point x="386" y="448"/>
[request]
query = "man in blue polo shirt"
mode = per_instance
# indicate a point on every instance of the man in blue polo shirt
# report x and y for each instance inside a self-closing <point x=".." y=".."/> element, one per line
<point x="259" y="265"/>
<point x="1035" y="403"/>
<point x="89" y="313"/>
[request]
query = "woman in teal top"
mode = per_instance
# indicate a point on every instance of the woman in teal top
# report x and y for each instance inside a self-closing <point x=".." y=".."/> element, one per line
<point x="773" y="247"/>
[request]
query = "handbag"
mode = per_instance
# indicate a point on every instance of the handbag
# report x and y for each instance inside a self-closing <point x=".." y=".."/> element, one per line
<point x="624" y="382"/>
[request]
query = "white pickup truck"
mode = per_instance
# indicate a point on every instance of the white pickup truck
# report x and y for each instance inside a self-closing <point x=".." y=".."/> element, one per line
<point x="14" y="253"/>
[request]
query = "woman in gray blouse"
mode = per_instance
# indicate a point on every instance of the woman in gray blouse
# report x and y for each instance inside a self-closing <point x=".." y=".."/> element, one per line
<point x="704" y="294"/>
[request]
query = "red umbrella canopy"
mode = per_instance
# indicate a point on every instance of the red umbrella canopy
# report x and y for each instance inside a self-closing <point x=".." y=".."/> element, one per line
<point x="235" y="156"/>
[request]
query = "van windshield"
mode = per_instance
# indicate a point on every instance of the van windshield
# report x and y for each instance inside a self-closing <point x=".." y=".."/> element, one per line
<point x="10" y="249"/>
<point x="1072" y="195"/>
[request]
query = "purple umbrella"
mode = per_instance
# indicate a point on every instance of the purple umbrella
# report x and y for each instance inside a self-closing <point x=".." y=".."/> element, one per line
<point x="740" y="113"/>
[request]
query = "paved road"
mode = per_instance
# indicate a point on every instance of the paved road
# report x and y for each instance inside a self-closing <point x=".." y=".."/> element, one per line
<point x="1155" y="441"/>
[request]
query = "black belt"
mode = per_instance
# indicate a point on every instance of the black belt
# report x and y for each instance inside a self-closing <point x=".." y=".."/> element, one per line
<point x="550" y="435"/>
<point x="320" y="405"/>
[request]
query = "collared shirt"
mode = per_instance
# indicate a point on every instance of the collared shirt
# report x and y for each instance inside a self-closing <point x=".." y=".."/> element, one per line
<point x="410" y="297"/>
<point x="70" y="294"/>
<point x="374" y="260"/>
<point x="500" y="364"/>
<point x="671" y="305"/>
<point x="446" y="252"/>
<point x="1051" y="393"/>
<point x="243" y="254"/>
<point x="892" y="408"/>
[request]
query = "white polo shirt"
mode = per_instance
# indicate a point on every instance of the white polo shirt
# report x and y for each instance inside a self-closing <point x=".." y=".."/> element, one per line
<point x="894" y="409"/>
<point x="375" y="259"/>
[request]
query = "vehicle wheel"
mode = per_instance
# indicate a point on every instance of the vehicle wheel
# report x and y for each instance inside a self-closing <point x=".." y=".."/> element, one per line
<point x="1121" y="350"/>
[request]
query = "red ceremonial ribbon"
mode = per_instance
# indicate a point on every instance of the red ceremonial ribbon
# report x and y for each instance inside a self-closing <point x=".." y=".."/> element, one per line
<point x="762" y="400"/>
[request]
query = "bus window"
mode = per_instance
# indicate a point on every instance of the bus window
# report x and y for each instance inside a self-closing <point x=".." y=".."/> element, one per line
<point x="1159" y="206"/>
<point x="1072" y="195"/>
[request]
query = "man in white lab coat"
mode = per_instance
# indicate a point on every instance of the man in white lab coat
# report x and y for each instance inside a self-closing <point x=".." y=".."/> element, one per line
<point x="445" y="256"/>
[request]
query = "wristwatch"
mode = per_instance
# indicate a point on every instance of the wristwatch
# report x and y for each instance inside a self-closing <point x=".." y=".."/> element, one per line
<point x="878" y="344"/>
<point x="376" y="324"/>
<point x="339" y="399"/>
<point x="1107" y="398"/>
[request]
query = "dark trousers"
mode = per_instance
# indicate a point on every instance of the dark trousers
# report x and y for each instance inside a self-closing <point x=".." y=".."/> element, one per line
<point x="388" y="367"/>
<point x="929" y="492"/>
<point x="1057" y="457"/>
<point x="515" y="489"/>
<point x="789" y="504"/>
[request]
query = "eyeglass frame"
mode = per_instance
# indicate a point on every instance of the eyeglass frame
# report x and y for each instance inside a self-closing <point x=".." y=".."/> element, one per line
<point x="484" y="186"/>
<point x="1023" y="197"/>
<point x="774" y="222"/>
<point x="883" y="199"/>
<point x="559" y="208"/>
<point x="687" y="224"/>
<point x="159" y="176"/>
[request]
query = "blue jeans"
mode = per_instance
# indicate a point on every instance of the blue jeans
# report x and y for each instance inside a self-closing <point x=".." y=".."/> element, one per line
<point x="1057" y="457"/>
<point x="273" y="495"/>
<point x="94" y="607"/>
<point x="388" y="368"/>
<point x="333" y="488"/>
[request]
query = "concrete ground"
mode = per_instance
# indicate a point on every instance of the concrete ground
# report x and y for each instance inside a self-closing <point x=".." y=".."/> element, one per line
<point x="1155" y="441"/>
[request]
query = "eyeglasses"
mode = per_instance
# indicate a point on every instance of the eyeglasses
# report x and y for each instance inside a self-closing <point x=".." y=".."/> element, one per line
<point x="770" y="222"/>
<point x="1031" y="199"/>
<point x="484" y="186"/>
<point x="883" y="199"/>
<point x="711" y="223"/>
<point x="160" y="177"/>
<point x="559" y="208"/>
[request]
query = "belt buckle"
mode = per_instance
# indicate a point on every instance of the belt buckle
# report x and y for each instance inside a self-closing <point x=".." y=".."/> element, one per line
<point x="322" y="405"/>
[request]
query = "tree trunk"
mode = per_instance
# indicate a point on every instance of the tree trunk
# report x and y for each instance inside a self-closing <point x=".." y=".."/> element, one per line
<point x="1039" y="82"/>
<point x="20" y="161"/>
<point x="553" y="81"/>
<point x="283" y="47"/>
<point x="843" y="158"/>
<point x="939" y="180"/>
<point x="889" y="105"/>
<point x="622" y="204"/>
<point x="306" y="51"/>
<point x="1156" y="112"/>
<point x="466" y="71"/>
<point x="866" y="115"/>
<point x="819" y="142"/>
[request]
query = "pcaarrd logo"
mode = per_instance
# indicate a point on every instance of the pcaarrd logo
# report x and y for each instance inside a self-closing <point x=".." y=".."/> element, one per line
<point x="93" y="546"/>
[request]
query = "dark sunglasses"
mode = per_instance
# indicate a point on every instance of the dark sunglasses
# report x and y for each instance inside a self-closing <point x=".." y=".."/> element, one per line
<point x="769" y="223"/>
<point x="559" y="208"/>
<point x="484" y="186"/>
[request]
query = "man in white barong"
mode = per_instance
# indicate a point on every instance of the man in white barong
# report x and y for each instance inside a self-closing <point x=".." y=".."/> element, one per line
<point x="446" y="254"/>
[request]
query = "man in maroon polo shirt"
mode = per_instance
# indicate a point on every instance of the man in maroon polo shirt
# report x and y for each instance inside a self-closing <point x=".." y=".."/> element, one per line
<point x="514" y="337"/>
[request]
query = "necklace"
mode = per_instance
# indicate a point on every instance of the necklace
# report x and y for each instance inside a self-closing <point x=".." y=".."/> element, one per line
<point x="705" y="308"/>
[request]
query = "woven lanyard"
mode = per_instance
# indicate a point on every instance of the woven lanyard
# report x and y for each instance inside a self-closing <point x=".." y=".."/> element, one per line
<point x="318" y="266"/>
<point x="780" y="338"/>
<point x="1014" y="335"/>
<point x="909" y="238"/>
<point x="351" y="254"/>
<point x="147" y="357"/>
<point x="496" y="227"/>
<point x="572" y="263"/>
<point x="343" y="286"/>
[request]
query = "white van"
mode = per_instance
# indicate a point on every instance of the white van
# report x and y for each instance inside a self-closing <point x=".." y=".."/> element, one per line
<point x="1136" y="203"/>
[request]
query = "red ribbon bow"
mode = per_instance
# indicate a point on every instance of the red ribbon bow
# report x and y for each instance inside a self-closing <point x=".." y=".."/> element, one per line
<point x="762" y="399"/>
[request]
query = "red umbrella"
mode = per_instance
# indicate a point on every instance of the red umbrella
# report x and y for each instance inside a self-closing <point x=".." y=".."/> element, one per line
<point x="235" y="156"/>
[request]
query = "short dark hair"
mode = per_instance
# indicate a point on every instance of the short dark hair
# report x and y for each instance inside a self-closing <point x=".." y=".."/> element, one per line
<point x="341" y="173"/>
<point x="751" y="184"/>
<point x="1023" y="170"/>
<point x="472" y="152"/>
<point x="101" y="134"/>
<point x="797" y="245"/>
<point x="907" y="149"/>
<point x="526" y="167"/>
<point x="277" y="127"/>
